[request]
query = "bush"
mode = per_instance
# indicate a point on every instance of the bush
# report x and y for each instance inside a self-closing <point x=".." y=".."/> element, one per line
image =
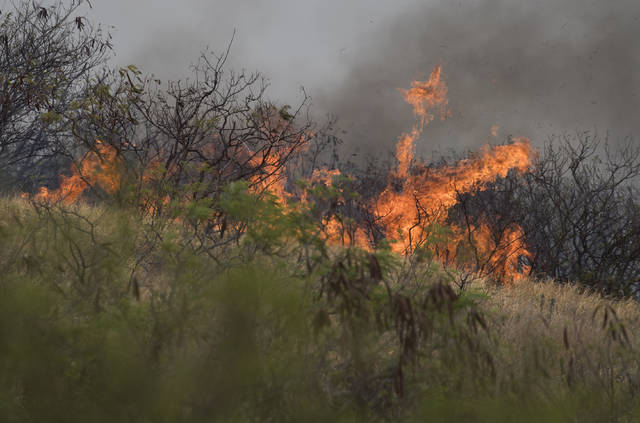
<point x="109" y="316"/>
<point x="579" y="209"/>
<point x="51" y="60"/>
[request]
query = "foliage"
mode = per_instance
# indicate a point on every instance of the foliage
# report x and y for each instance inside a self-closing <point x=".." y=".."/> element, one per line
<point x="50" y="61"/>
<point x="109" y="316"/>
<point x="202" y="288"/>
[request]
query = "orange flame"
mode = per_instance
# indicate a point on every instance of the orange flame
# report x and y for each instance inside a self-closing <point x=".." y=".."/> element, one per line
<point x="503" y="253"/>
<point x="425" y="194"/>
<point x="339" y="231"/>
<point x="435" y="189"/>
<point x="99" y="168"/>
<point x="273" y="177"/>
<point x="424" y="97"/>
<point x="416" y="197"/>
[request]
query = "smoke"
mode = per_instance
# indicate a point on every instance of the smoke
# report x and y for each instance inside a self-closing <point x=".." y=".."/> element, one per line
<point x="293" y="43"/>
<point x="528" y="68"/>
<point x="531" y="68"/>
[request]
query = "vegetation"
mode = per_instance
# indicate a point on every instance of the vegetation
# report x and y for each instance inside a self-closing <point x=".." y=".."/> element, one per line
<point x="579" y="210"/>
<point x="192" y="252"/>
<point x="106" y="318"/>
<point x="52" y="58"/>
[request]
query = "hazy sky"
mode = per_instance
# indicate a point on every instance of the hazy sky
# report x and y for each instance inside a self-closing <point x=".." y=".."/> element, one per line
<point x="292" y="42"/>
<point x="531" y="67"/>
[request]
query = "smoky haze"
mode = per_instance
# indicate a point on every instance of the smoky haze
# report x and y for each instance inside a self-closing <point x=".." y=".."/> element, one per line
<point x="532" y="68"/>
<point x="293" y="43"/>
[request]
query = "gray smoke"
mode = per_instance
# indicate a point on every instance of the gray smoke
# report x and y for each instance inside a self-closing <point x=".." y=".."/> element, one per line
<point x="531" y="67"/>
<point x="293" y="43"/>
<point x="534" y="68"/>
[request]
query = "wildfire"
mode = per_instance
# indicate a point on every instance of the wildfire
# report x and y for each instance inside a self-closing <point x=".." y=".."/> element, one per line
<point x="99" y="168"/>
<point x="338" y="230"/>
<point x="416" y="200"/>
<point x="409" y="212"/>
<point x="426" y="98"/>
<point x="273" y="178"/>
<point x="502" y="253"/>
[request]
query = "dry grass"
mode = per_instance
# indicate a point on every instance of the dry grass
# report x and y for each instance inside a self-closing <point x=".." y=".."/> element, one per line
<point x="565" y="353"/>
<point x="550" y="308"/>
<point x="564" y="336"/>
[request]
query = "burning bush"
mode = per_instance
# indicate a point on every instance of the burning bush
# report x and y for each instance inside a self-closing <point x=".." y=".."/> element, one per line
<point x="244" y="272"/>
<point x="126" y="320"/>
<point x="578" y="208"/>
<point x="503" y="212"/>
<point x="207" y="135"/>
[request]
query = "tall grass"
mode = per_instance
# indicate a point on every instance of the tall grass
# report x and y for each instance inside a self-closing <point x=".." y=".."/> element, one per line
<point x="105" y="316"/>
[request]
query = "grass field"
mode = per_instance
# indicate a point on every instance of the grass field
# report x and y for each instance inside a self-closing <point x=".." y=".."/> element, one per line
<point x="106" y="316"/>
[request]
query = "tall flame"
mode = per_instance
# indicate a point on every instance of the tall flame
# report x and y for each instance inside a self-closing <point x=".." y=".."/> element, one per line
<point x="427" y="98"/>
<point x="416" y="198"/>
<point x="425" y="194"/>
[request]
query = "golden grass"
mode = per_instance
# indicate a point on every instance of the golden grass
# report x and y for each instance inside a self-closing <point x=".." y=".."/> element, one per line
<point x="547" y="333"/>
<point x="549" y="343"/>
<point x="554" y="307"/>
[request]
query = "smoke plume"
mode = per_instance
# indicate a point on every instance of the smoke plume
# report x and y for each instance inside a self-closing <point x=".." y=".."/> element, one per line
<point x="524" y="68"/>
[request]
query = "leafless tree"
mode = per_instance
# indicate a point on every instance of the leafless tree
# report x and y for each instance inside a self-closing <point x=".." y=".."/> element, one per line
<point x="48" y="59"/>
<point x="579" y="210"/>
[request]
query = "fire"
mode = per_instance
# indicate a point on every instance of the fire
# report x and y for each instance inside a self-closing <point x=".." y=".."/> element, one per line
<point x="426" y="97"/>
<point x="416" y="200"/>
<point x="338" y="230"/>
<point x="504" y="252"/>
<point x="419" y="196"/>
<point x="99" y="168"/>
<point x="273" y="179"/>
